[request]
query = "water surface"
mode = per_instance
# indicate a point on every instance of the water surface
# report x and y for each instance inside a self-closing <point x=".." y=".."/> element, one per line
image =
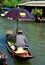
<point x="35" y="33"/>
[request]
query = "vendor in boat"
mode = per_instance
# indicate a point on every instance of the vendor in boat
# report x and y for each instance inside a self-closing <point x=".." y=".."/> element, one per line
<point x="21" y="40"/>
<point x="10" y="36"/>
<point x="9" y="33"/>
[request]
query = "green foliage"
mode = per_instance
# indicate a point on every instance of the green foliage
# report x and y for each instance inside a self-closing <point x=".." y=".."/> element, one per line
<point x="37" y="12"/>
<point x="10" y="3"/>
<point x="1" y="2"/>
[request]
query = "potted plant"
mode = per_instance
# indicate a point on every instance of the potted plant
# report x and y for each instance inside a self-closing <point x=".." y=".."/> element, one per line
<point x="37" y="13"/>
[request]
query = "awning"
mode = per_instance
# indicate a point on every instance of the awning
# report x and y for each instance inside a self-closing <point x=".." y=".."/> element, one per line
<point x="33" y="3"/>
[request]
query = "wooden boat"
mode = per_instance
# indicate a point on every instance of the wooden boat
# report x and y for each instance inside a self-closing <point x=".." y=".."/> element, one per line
<point x="3" y="58"/>
<point x="20" y="52"/>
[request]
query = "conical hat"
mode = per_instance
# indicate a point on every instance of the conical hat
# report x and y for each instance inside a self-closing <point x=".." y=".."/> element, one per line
<point x="20" y="50"/>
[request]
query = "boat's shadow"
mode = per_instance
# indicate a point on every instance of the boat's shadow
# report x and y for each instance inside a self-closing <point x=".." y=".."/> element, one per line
<point x="19" y="61"/>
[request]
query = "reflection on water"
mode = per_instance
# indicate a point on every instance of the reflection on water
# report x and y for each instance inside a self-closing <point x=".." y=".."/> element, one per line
<point x="35" y="33"/>
<point x="19" y="62"/>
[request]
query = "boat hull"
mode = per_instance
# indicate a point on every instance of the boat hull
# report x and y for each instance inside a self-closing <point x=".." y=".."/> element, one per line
<point x="20" y="57"/>
<point x="15" y="54"/>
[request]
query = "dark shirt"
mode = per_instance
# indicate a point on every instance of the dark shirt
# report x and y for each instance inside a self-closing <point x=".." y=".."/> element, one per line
<point x="11" y="38"/>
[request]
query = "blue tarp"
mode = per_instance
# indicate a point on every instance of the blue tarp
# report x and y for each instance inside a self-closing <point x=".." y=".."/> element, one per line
<point x="6" y="8"/>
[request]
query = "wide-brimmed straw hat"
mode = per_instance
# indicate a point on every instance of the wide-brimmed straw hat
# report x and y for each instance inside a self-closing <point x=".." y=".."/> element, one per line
<point x="10" y="32"/>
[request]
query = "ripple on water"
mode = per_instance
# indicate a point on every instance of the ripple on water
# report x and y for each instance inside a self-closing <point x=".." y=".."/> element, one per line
<point x="35" y="33"/>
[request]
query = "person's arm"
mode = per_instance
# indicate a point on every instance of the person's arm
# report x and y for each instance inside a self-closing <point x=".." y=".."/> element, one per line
<point x="26" y="41"/>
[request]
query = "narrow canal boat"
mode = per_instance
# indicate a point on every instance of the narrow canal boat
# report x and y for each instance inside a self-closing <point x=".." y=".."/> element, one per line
<point x="18" y="52"/>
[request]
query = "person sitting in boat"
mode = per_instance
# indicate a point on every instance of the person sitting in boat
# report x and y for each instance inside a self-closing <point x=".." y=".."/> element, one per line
<point x="21" y="40"/>
<point x="10" y="36"/>
<point x="9" y="33"/>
